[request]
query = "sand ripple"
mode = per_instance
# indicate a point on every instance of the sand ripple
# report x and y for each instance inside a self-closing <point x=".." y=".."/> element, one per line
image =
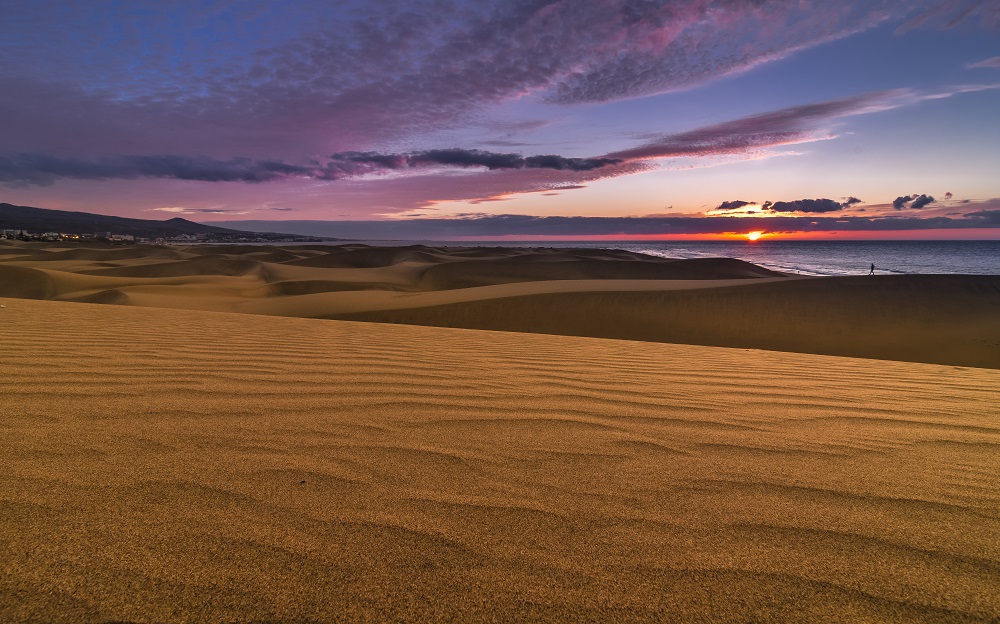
<point x="173" y="465"/>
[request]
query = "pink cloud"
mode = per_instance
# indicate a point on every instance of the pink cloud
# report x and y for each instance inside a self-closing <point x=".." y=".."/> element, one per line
<point x="990" y="62"/>
<point x="789" y="126"/>
<point x="319" y="82"/>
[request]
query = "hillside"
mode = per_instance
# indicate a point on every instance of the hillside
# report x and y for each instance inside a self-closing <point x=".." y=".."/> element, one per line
<point x="44" y="220"/>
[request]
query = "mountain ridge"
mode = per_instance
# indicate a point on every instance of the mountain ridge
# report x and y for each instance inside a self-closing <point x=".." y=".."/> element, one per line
<point x="44" y="219"/>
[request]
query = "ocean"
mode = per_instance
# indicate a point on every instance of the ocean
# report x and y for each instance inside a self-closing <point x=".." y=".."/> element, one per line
<point x="800" y="257"/>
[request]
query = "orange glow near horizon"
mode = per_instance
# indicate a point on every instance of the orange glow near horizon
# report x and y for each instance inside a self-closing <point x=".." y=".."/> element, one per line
<point x="752" y="236"/>
<point x="930" y="234"/>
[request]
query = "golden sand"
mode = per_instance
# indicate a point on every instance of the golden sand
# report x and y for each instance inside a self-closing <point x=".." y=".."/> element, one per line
<point x="186" y="466"/>
<point x="210" y="449"/>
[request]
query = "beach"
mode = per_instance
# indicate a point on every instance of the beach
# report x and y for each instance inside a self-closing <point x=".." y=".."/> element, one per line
<point x="316" y="433"/>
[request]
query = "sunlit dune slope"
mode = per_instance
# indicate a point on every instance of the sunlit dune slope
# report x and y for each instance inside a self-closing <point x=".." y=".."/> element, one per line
<point x="175" y="465"/>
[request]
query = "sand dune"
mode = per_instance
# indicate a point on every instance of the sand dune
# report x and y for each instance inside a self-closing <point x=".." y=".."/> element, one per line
<point x="943" y="319"/>
<point x="175" y="465"/>
<point x="585" y="292"/>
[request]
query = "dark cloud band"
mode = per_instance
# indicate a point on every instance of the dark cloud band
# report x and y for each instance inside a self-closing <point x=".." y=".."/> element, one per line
<point x="918" y="201"/>
<point x="43" y="169"/>
<point x="733" y="205"/>
<point x="798" y="205"/>
<point x="807" y="205"/>
<point x="473" y="158"/>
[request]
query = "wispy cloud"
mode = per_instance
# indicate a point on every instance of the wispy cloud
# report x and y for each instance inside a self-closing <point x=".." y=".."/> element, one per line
<point x="189" y="211"/>
<point x="950" y="13"/>
<point x="989" y="218"/>
<point x="282" y="82"/>
<point x="993" y="61"/>
<point x="789" y="126"/>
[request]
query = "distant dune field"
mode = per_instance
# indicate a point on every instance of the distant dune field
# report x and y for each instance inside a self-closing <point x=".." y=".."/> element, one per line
<point x="167" y="465"/>
<point x="942" y="319"/>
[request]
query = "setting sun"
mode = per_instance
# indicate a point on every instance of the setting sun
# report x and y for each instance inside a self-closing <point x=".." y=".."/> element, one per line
<point x="754" y="235"/>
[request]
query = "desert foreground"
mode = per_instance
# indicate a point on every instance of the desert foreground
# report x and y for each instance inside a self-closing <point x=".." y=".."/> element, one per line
<point x="193" y="465"/>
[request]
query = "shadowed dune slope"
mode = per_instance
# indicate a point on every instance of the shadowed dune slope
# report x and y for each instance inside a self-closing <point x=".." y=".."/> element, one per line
<point x="106" y="254"/>
<point x="570" y="267"/>
<point x="173" y="465"/>
<point x="182" y="268"/>
<point x="363" y="257"/>
<point x="947" y="319"/>
<point x="26" y="283"/>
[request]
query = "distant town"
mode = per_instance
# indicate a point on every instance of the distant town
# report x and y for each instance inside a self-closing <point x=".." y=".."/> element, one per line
<point x="28" y="223"/>
<point x="172" y="239"/>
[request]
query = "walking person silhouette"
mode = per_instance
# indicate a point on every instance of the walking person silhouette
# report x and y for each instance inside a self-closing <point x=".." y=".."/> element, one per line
<point x="872" y="272"/>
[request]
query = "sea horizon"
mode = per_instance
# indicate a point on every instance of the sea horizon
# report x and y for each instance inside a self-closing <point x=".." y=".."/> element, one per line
<point x="803" y="257"/>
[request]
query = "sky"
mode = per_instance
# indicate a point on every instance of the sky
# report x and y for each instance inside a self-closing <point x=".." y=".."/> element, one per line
<point x="524" y="119"/>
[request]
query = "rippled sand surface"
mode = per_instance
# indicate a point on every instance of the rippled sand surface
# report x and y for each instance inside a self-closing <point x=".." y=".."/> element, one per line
<point x="175" y="465"/>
